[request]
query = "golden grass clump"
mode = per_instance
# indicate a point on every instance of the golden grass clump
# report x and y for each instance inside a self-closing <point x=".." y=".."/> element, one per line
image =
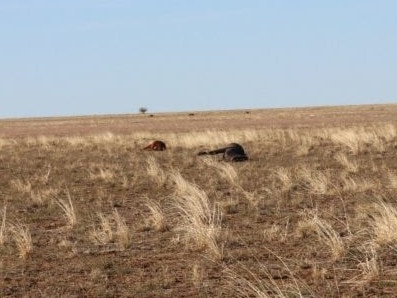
<point x="383" y="222"/>
<point x="157" y="219"/>
<point x="349" y="165"/>
<point x="21" y="186"/>
<point x="22" y="238"/>
<point x="316" y="182"/>
<point x="325" y="232"/>
<point x="154" y="170"/>
<point x="102" y="173"/>
<point x="199" y="221"/>
<point x="358" y="139"/>
<point x="247" y="283"/>
<point x="225" y="170"/>
<point x="122" y="231"/>
<point x="68" y="210"/>
<point x="284" y="177"/>
<point x="111" y="229"/>
<point x="103" y="233"/>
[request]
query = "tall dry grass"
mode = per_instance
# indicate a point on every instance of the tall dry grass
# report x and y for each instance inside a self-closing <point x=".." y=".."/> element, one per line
<point x="330" y="237"/>
<point x="68" y="209"/>
<point x="225" y="170"/>
<point x="157" y="219"/>
<point x="383" y="222"/>
<point x="123" y="233"/>
<point x="154" y="170"/>
<point x="349" y="165"/>
<point x="357" y="139"/>
<point x="103" y="232"/>
<point x="22" y="238"/>
<point x="200" y="221"/>
<point x="247" y="283"/>
<point x="315" y="181"/>
<point x="327" y="235"/>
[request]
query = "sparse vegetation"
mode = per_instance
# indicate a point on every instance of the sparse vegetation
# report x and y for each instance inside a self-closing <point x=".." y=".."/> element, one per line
<point x="86" y="212"/>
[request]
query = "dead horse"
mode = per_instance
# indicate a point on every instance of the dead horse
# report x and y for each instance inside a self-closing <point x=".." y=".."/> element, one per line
<point x="232" y="152"/>
<point x="156" y="146"/>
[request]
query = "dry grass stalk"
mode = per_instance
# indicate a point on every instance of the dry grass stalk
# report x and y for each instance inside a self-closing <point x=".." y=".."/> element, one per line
<point x="253" y="286"/>
<point x="76" y="141"/>
<point x="107" y="175"/>
<point x="387" y="131"/>
<point x="157" y="219"/>
<point x="356" y="139"/>
<point x="347" y="138"/>
<point x="21" y="186"/>
<point x="200" y="222"/>
<point x="225" y="170"/>
<point x="370" y="268"/>
<point x="122" y="231"/>
<point x="391" y="179"/>
<point x="3" y="227"/>
<point x="44" y="178"/>
<point x="284" y="176"/>
<point x="329" y="237"/>
<point x="68" y="210"/>
<point x="230" y="206"/>
<point x="276" y="233"/>
<point x="105" y="138"/>
<point x="41" y="197"/>
<point x="154" y="170"/>
<point x="349" y="165"/>
<point x="103" y="234"/>
<point x="4" y="142"/>
<point x="210" y="137"/>
<point x="22" y="238"/>
<point x="198" y="273"/>
<point x="316" y="182"/>
<point x="383" y="223"/>
<point x="354" y="185"/>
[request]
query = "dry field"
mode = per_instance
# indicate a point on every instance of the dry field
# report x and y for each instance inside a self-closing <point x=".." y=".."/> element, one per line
<point x="85" y="212"/>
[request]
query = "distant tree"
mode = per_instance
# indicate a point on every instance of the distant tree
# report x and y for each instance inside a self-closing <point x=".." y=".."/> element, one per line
<point x="143" y="110"/>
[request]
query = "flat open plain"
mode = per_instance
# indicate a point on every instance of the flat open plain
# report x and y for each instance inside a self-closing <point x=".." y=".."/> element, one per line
<point x="85" y="212"/>
<point x="199" y="121"/>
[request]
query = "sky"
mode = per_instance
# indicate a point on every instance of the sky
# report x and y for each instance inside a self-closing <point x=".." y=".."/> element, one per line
<point x="88" y="57"/>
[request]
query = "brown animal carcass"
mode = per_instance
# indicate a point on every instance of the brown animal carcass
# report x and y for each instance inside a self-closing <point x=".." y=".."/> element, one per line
<point x="232" y="152"/>
<point x="156" y="146"/>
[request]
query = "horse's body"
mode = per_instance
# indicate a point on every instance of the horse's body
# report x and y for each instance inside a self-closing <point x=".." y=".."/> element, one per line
<point x="232" y="152"/>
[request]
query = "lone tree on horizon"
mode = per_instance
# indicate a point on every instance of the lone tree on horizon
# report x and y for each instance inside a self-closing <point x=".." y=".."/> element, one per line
<point x="143" y="110"/>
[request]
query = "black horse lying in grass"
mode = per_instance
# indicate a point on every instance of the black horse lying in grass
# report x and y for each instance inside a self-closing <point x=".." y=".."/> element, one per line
<point x="232" y="152"/>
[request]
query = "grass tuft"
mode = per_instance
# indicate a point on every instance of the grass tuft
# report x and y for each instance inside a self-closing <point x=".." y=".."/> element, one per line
<point x="200" y="222"/>
<point x="68" y="210"/>
<point x="22" y="239"/>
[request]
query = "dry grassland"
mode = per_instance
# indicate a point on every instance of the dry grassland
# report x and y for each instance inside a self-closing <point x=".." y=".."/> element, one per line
<point x="85" y="212"/>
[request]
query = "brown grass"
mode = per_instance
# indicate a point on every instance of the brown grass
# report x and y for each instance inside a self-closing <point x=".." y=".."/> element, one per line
<point x="312" y="213"/>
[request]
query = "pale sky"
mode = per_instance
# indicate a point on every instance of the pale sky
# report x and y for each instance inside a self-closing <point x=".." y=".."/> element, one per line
<point x="83" y="57"/>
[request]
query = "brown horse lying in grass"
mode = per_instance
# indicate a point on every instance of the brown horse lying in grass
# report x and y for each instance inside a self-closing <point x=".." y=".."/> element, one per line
<point x="156" y="146"/>
<point x="232" y="152"/>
